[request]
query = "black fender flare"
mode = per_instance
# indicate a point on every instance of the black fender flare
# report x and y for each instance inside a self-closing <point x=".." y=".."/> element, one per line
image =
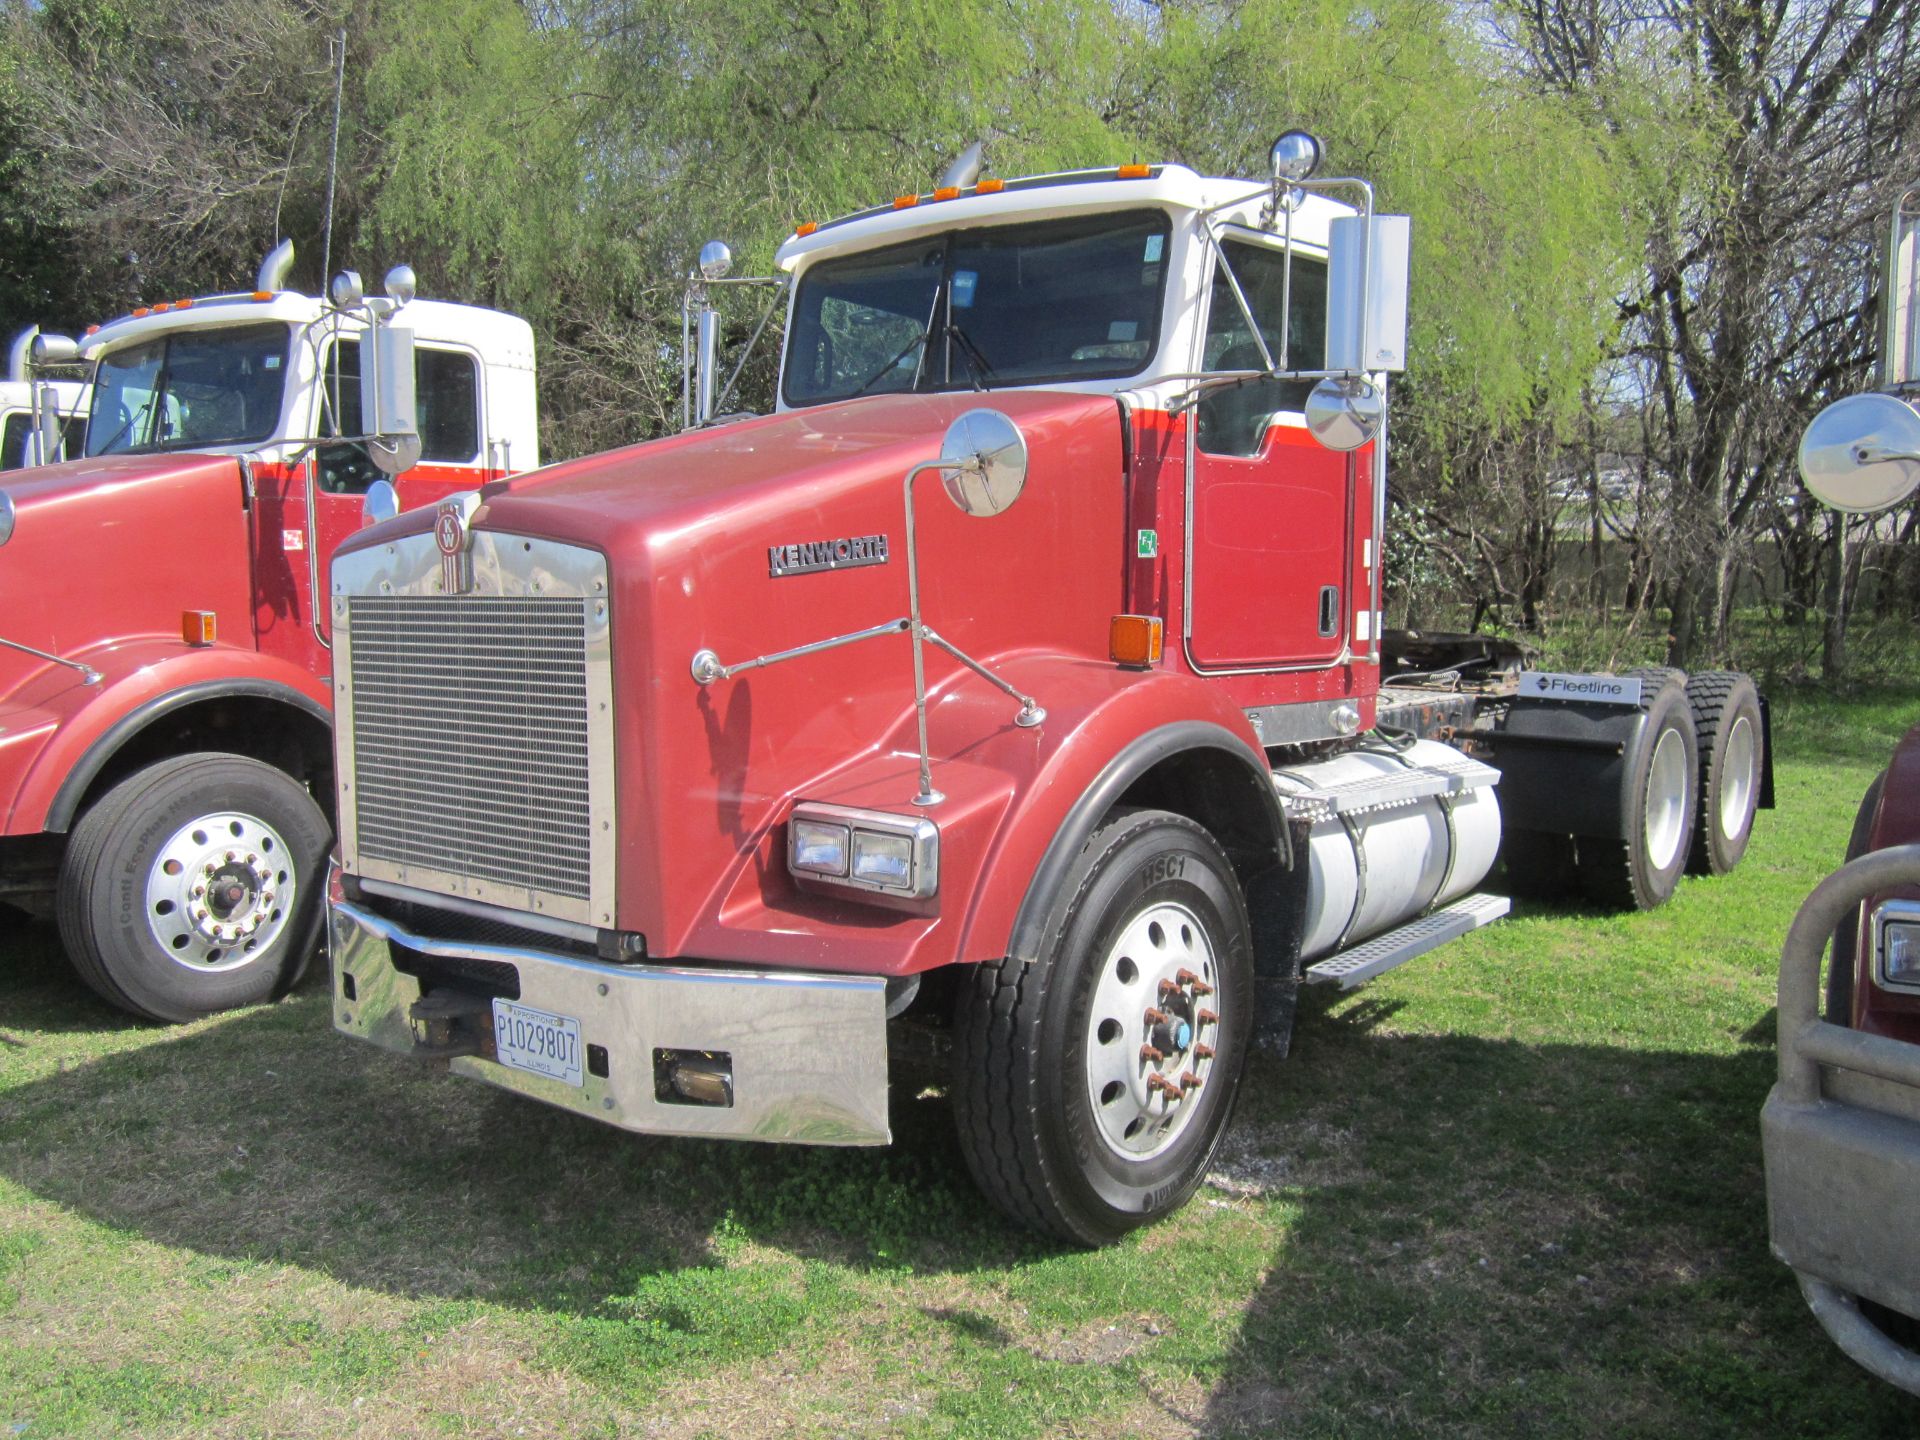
<point x="66" y="800"/>
<point x="1129" y="765"/>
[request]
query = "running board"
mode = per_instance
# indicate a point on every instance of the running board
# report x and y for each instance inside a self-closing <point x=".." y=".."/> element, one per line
<point x="1382" y="953"/>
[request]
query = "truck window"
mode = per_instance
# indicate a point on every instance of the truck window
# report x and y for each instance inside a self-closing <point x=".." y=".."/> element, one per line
<point x="1053" y="300"/>
<point x="1233" y="421"/>
<point x="13" y="439"/>
<point x="193" y="389"/>
<point x="446" y="411"/>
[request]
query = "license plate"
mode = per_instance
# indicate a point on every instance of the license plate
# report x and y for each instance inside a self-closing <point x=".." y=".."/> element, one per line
<point x="529" y="1039"/>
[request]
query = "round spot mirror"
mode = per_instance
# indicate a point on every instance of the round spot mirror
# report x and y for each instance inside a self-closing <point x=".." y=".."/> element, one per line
<point x="1862" y="453"/>
<point x="1344" y="413"/>
<point x="988" y="456"/>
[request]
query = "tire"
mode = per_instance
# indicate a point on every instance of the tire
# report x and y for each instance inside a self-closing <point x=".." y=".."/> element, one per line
<point x="1730" y="737"/>
<point x="1846" y="935"/>
<point x="1057" y="1118"/>
<point x="129" y="914"/>
<point x="1641" y="870"/>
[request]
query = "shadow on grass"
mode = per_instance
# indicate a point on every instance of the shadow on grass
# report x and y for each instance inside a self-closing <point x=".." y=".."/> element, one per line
<point x="1472" y="1235"/>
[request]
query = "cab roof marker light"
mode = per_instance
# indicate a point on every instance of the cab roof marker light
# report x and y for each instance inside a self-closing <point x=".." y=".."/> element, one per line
<point x="186" y="304"/>
<point x="260" y="296"/>
<point x="947" y="192"/>
<point x="905" y="202"/>
<point x="1132" y="172"/>
<point x="140" y="312"/>
<point x="805" y="228"/>
<point x="989" y="187"/>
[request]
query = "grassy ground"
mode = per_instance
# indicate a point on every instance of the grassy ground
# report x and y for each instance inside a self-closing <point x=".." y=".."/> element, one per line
<point x="1512" y="1189"/>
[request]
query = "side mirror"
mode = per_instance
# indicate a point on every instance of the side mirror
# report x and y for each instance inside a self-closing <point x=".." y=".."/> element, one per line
<point x="1862" y="453"/>
<point x="1900" y="332"/>
<point x="984" y="462"/>
<point x="382" y="503"/>
<point x="1344" y="412"/>
<point x="387" y="398"/>
<point x="1367" y="260"/>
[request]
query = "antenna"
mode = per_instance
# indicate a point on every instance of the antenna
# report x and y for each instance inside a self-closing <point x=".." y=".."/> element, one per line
<point x="333" y="153"/>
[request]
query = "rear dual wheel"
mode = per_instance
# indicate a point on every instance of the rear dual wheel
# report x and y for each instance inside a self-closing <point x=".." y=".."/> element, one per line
<point x="1643" y="868"/>
<point x="1731" y="740"/>
<point x="1092" y="1087"/>
<point x="194" y="886"/>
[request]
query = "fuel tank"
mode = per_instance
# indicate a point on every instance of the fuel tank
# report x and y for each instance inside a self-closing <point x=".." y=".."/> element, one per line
<point x="1395" y="832"/>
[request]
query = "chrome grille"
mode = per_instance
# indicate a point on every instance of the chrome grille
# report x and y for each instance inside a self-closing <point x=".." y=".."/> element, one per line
<point x="471" y="738"/>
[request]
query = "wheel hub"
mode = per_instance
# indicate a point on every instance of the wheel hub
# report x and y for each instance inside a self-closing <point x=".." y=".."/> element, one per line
<point x="1154" y="1014"/>
<point x="220" y="891"/>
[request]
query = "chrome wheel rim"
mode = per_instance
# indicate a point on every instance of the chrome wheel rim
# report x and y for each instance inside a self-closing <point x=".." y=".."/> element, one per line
<point x="220" y="891"/>
<point x="1151" y="1031"/>
<point x="1736" y="778"/>
<point x="1666" y="815"/>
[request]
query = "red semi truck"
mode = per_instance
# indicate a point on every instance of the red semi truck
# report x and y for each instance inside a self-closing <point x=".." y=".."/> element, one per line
<point x="1011" y="696"/>
<point x="165" y="677"/>
<point x="1841" y="1128"/>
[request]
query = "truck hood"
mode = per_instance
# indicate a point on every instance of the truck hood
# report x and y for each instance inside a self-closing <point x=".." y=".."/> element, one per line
<point x="794" y="467"/>
<point x="113" y="548"/>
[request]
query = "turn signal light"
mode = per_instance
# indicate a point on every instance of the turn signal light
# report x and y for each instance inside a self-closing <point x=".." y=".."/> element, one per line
<point x="1135" y="639"/>
<point x="197" y="627"/>
<point x="989" y="187"/>
<point x="1133" y="172"/>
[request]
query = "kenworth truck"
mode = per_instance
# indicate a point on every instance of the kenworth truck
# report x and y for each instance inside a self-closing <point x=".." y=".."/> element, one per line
<point x="1010" y="699"/>
<point x="1841" y="1128"/>
<point x="165" y="677"/>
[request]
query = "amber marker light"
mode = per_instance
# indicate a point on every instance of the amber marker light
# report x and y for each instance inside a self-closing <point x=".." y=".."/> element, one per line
<point x="1133" y="172"/>
<point x="804" y="230"/>
<point x="905" y="202"/>
<point x="140" y="312"/>
<point x="947" y="192"/>
<point x="260" y="295"/>
<point x="162" y="308"/>
<point x="186" y="304"/>
<point x="989" y="187"/>
<point x="93" y="329"/>
<point x="1135" y="639"/>
<point x="197" y="627"/>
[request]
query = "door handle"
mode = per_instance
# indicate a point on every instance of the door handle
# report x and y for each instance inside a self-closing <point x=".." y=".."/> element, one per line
<point x="1329" y="611"/>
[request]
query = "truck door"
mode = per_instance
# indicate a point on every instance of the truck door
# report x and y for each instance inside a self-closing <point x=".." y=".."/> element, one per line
<point x="450" y="416"/>
<point x="1273" y="510"/>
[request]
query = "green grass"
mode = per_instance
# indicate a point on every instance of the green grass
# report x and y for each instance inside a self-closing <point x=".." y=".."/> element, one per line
<point x="1513" y="1189"/>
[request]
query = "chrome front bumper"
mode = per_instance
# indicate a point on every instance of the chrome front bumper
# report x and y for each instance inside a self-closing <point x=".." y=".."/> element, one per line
<point x="808" y="1051"/>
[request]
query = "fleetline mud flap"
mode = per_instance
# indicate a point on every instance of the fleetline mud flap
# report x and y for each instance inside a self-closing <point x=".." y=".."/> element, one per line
<point x="1840" y="1185"/>
<point x="807" y="1051"/>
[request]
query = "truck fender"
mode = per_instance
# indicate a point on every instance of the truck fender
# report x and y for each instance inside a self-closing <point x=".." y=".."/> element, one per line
<point x="144" y="682"/>
<point x="1056" y="816"/>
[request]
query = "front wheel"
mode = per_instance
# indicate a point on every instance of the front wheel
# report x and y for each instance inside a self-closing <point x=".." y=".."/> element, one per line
<point x="194" y="886"/>
<point x="1092" y="1087"/>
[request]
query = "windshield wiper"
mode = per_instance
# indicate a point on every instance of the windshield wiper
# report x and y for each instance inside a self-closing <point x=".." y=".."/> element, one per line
<point x="880" y="374"/>
<point x="979" y="371"/>
<point x="136" y="418"/>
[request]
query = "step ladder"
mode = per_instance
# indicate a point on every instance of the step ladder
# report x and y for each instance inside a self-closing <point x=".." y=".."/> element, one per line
<point x="1360" y="963"/>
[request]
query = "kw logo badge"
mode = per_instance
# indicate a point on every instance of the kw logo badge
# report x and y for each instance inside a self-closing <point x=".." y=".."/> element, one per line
<point x="452" y="534"/>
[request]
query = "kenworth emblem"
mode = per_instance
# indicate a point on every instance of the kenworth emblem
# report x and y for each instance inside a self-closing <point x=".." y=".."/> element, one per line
<point x="455" y="540"/>
<point x="813" y="555"/>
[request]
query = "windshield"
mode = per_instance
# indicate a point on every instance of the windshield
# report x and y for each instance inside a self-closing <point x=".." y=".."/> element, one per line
<point x="1050" y="300"/>
<point x="190" y="390"/>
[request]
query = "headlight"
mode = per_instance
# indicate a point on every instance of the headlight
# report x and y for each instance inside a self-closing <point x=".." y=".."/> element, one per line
<point x="1896" y="928"/>
<point x="818" y="847"/>
<point x="870" y="850"/>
